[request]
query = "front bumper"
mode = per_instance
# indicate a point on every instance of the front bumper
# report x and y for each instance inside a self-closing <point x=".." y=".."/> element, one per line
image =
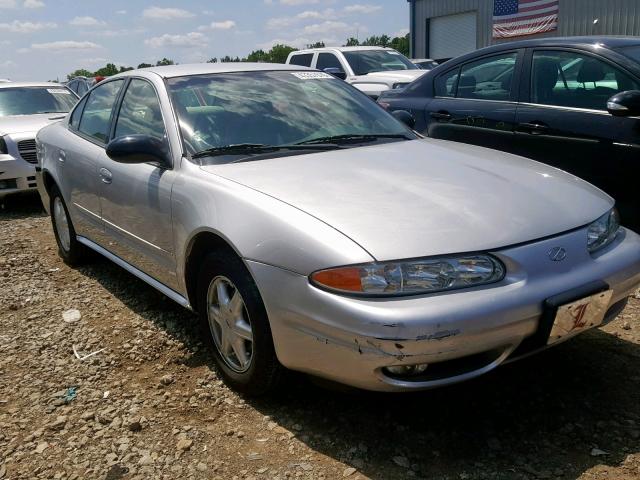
<point x="16" y="175"/>
<point x="460" y="334"/>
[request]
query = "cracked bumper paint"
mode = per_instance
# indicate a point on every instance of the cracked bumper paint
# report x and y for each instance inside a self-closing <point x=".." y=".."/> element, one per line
<point x="350" y="340"/>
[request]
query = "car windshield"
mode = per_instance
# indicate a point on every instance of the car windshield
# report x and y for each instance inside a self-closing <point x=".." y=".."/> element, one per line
<point x="34" y="100"/>
<point x="246" y="111"/>
<point x="368" y="61"/>
<point x="632" y="52"/>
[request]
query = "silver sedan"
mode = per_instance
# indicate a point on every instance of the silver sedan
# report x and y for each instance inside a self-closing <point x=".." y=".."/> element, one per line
<point x="313" y="231"/>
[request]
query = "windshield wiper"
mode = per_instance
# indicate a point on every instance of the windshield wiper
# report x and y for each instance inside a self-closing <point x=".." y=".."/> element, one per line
<point x="256" y="148"/>
<point x="353" y="138"/>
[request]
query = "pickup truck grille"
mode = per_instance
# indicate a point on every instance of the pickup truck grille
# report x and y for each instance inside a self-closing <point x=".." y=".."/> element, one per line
<point x="27" y="149"/>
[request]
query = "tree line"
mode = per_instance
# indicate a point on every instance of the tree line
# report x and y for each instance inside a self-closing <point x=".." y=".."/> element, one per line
<point x="277" y="54"/>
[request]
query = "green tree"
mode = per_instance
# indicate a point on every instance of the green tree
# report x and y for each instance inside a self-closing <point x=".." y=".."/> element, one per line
<point x="81" y="72"/>
<point x="106" y="71"/>
<point x="280" y="52"/>
<point x="164" y="61"/>
<point x="401" y="44"/>
<point x="352" y="42"/>
<point x="316" y="45"/>
<point x="145" y="65"/>
<point x="213" y="60"/>
<point x="258" y="56"/>
<point x="125" y="69"/>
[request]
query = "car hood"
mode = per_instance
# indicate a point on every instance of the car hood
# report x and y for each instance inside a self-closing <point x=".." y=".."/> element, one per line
<point x="394" y="75"/>
<point x="27" y="123"/>
<point x="426" y="197"/>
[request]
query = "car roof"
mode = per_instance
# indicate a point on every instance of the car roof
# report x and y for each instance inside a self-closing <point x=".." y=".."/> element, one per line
<point x="29" y="84"/>
<point x="169" y="71"/>
<point x="604" y="41"/>
<point x="341" y="49"/>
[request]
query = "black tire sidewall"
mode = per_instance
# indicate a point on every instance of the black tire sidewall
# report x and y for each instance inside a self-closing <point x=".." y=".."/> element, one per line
<point x="265" y="370"/>
<point x="76" y="251"/>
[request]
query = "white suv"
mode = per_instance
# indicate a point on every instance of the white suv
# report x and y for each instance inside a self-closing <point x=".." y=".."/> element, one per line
<point x="370" y="69"/>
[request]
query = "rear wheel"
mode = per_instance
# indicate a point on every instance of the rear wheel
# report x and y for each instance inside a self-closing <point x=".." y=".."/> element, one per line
<point x="232" y="312"/>
<point x="72" y="252"/>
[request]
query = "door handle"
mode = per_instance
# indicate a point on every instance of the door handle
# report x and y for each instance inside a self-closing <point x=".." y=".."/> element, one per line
<point x="441" y="115"/>
<point x="534" y="128"/>
<point x="62" y="156"/>
<point x="106" y="176"/>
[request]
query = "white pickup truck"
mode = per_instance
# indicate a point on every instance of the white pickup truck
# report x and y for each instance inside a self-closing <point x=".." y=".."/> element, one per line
<point x="370" y="69"/>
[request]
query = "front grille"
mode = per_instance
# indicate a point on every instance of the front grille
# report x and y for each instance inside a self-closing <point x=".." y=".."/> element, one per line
<point x="27" y="149"/>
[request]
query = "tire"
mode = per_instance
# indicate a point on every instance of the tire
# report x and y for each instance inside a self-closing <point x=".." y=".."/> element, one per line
<point x="72" y="252"/>
<point x="263" y="372"/>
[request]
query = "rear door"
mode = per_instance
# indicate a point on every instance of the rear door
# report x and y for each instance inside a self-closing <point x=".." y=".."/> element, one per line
<point x="564" y="122"/>
<point x="476" y="102"/>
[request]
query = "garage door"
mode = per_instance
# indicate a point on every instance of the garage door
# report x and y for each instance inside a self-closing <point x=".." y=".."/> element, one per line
<point x="452" y="35"/>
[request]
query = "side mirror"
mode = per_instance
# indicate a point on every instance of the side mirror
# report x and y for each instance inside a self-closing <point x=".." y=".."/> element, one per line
<point x="405" y="117"/>
<point x="624" y="104"/>
<point x="336" y="72"/>
<point x="139" y="149"/>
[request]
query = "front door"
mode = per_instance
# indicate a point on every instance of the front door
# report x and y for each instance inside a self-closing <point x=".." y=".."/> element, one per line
<point x="476" y="102"/>
<point x="566" y="123"/>
<point x="136" y="198"/>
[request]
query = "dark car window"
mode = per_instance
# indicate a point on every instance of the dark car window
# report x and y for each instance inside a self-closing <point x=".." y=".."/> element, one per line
<point x="571" y="79"/>
<point x="74" y="121"/>
<point x="96" y="116"/>
<point x="83" y="87"/>
<point x="445" y="84"/>
<point x="303" y="59"/>
<point x="488" y="78"/>
<point x="73" y="85"/>
<point x="363" y="62"/>
<point x="34" y="100"/>
<point x="140" y="111"/>
<point x="327" y="60"/>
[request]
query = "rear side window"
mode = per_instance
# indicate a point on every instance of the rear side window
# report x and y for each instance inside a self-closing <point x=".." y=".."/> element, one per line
<point x="571" y="79"/>
<point x="304" y="59"/>
<point x="77" y="113"/>
<point x="96" y="116"/>
<point x="488" y="78"/>
<point x="140" y="111"/>
<point x="327" y="60"/>
<point x="445" y="84"/>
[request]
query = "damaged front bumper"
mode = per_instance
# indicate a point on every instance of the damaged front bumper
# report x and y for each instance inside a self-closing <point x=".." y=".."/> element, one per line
<point x="460" y="334"/>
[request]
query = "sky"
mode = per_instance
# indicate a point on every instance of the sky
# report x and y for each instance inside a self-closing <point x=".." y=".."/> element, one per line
<point x="46" y="39"/>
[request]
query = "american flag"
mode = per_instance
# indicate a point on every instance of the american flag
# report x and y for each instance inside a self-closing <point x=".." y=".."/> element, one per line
<point x="513" y="18"/>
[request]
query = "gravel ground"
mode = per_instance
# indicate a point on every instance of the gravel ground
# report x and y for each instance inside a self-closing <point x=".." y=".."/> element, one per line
<point x="149" y="404"/>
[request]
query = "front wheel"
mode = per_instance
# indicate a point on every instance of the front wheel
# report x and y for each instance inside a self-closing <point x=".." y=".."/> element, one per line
<point x="72" y="252"/>
<point x="232" y="311"/>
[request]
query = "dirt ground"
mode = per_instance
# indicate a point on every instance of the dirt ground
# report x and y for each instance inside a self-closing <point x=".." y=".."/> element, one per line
<point x="149" y="404"/>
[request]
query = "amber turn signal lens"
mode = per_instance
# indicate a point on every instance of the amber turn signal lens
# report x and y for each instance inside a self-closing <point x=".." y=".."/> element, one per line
<point x="347" y="279"/>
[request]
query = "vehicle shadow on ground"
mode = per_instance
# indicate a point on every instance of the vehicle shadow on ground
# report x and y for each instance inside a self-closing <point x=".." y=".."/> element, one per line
<point x="541" y="417"/>
<point x="20" y="206"/>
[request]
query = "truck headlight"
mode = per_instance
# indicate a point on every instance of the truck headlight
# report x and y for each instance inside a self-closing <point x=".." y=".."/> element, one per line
<point x="603" y="231"/>
<point x="412" y="276"/>
<point x="3" y="146"/>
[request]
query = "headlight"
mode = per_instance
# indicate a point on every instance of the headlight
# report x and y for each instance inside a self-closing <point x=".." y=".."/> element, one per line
<point x="3" y="147"/>
<point x="411" y="277"/>
<point x="603" y="231"/>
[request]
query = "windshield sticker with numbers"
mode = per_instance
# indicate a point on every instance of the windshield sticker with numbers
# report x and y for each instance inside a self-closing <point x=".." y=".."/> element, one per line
<point x="311" y="75"/>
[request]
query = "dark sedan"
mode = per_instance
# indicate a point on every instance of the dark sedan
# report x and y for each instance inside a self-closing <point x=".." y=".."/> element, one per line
<point x="573" y="103"/>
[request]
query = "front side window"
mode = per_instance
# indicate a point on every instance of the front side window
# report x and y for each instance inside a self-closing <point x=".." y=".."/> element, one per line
<point x="328" y="60"/>
<point x="303" y="59"/>
<point x="273" y="108"/>
<point x="571" y="79"/>
<point x="96" y="117"/>
<point x="140" y="111"/>
<point x="35" y="100"/>
<point x="445" y="84"/>
<point x="363" y="62"/>
<point x="488" y="78"/>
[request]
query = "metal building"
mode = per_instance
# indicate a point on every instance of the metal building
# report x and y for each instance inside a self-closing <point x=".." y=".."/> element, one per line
<point x="448" y="28"/>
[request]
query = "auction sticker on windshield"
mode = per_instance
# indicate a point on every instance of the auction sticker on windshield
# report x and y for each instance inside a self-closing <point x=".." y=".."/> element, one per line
<point x="311" y="75"/>
<point x="578" y="316"/>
